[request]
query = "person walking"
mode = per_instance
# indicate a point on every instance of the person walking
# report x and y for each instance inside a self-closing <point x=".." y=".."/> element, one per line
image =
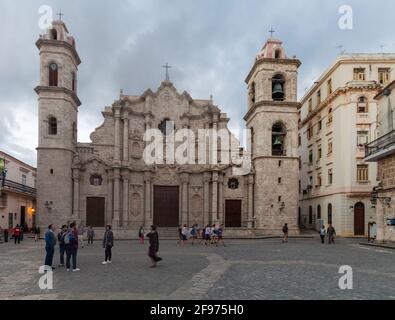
<point x="180" y="240"/>
<point x="141" y="235"/>
<point x="50" y="242"/>
<point x="331" y="234"/>
<point x="322" y="233"/>
<point x="193" y="232"/>
<point x="62" y="245"/>
<point x="153" y="247"/>
<point x="285" y="233"/>
<point x="36" y="233"/>
<point x="90" y="234"/>
<point x="71" y="242"/>
<point x="207" y="232"/>
<point x="17" y="234"/>
<point x="108" y="243"/>
<point x="220" y="232"/>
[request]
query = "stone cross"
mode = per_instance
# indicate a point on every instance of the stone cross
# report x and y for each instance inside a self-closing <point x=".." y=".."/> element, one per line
<point x="167" y="67"/>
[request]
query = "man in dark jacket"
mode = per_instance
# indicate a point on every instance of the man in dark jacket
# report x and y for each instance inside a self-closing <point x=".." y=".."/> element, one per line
<point x="62" y="245"/>
<point x="71" y="241"/>
<point x="17" y="234"/>
<point x="331" y="234"/>
<point x="50" y="242"/>
<point x="154" y="246"/>
<point x="108" y="243"/>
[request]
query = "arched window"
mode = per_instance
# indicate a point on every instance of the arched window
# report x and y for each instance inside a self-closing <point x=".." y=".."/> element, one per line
<point x="278" y="93"/>
<point x="73" y="82"/>
<point x="166" y="126"/>
<point x="330" y="218"/>
<point x="362" y="105"/>
<point x="277" y="54"/>
<point x="52" y="126"/>
<point x="53" y="75"/>
<point x="310" y="215"/>
<point x="54" y="34"/>
<point x="252" y="93"/>
<point x="318" y="212"/>
<point x="278" y="139"/>
<point x="74" y="131"/>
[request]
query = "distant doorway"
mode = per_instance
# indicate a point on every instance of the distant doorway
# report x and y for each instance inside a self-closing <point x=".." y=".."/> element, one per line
<point x="23" y="216"/>
<point x="95" y="212"/>
<point x="166" y="206"/>
<point x="359" y="219"/>
<point x="233" y="213"/>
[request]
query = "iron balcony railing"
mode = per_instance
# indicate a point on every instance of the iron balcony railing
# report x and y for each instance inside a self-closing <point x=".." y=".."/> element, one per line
<point x="9" y="185"/>
<point x="381" y="144"/>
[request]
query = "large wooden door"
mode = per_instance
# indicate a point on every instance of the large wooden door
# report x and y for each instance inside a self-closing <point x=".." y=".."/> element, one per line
<point x="233" y="213"/>
<point x="359" y="219"/>
<point x="95" y="212"/>
<point x="166" y="207"/>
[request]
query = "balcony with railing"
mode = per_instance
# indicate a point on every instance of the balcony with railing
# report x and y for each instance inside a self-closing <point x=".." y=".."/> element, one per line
<point x="381" y="148"/>
<point x="12" y="186"/>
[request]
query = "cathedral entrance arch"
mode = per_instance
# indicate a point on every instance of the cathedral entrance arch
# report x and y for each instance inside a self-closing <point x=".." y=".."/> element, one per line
<point x="166" y="206"/>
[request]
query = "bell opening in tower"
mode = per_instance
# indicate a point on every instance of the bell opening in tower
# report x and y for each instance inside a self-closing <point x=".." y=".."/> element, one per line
<point x="278" y="88"/>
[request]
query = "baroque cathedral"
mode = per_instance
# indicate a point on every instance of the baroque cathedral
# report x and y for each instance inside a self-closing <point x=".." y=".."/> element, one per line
<point x="108" y="181"/>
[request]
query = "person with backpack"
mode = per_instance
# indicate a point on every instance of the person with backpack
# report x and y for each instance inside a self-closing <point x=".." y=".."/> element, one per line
<point x="62" y="245"/>
<point x="90" y="234"/>
<point x="50" y="242"/>
<point x="285" y="233"/>
<point x="71" y="242"/>
<point x="108" y="243"/>
<point x="154" y="246"/>
<point x="322" y="233"/>
<point x="141" y="235"/>
<point x="331" y="234"/>
<point x="17" y="234"/>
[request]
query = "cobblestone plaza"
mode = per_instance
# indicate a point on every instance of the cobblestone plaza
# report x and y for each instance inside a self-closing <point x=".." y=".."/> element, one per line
<point x="244" y="269"/>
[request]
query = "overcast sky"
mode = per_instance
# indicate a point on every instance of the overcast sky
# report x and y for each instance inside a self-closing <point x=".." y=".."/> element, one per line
<point x="211" y="44"/>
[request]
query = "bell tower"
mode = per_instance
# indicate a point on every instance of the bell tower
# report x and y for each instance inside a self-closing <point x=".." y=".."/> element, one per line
<point x="273" y="119"/>
<point x="57" y="124"/>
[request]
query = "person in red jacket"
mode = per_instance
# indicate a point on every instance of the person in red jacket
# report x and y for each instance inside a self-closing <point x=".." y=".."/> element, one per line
<point x="17" y="234"/>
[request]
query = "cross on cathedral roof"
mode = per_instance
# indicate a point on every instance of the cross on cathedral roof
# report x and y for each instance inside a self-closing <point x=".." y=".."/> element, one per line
<point x="60" y="14"/>
<point x="167" y="67"/>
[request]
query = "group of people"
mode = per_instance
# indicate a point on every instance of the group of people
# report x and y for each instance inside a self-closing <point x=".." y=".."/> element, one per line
<point x="70" y="236"/>
<point x="330" y="232"/>
<point x="210" y="234"/>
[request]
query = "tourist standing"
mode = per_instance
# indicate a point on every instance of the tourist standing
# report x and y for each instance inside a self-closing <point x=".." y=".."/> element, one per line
<point x="285" y="233"/>
<point x="322" y="233"/>
<point x="81" y="231"/>
<point x="108" y="243"/>
<point x="62" y="245"/>
<point x="153" y="246"/>
<point x="331" y="234"/>
<point x="17" y="234"/>
<point x="50" y="242"/>
<point x="90" y="234"/>
<point x="207" y="232"/>
<point x="141" y="235"/>
<point x="184" y="232"/>
<point x="71" y="241"/>
<point x="220" y="233"/>
<point x="193" y="233"/>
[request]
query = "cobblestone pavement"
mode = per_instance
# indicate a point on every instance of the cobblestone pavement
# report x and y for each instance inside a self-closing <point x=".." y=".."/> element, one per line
<point x="244" y="269"/>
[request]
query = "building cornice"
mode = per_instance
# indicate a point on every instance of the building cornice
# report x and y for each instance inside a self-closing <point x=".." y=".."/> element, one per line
<point x="71" y="93"/>
<point x="268" y="103"/>
<point x="59" y="43"/>
<point x="258" y="62"/>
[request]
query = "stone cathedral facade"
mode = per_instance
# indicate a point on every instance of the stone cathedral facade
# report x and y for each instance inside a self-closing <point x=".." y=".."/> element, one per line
<point x="108" y="180"/>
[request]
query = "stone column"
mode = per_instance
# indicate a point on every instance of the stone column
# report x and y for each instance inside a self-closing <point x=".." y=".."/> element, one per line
<point x="110" y="191"/>
<point x="220" y="198"/>
<point x="117" y="134"/>
<point x="184" y="199"/>
<point x="125" y="157"/>
<point x="250" y="223"/>
<point x="76" y="194"/>
<point x="125" y="198"/>
<point x="206" y="198"/>
<point x="148" y="221"/>
<point x="116" y="218"/>
<point x="214" y="202"/>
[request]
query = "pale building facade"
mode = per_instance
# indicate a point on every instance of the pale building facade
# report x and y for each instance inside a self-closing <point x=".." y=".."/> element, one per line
<point x="382" y="151"/>
<point x="17" y="193"/>
<point x="108" y="181"/>
<point x="338" y="117"/>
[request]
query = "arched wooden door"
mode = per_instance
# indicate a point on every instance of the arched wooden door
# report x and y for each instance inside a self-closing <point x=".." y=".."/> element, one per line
<point x="359" y="219"/>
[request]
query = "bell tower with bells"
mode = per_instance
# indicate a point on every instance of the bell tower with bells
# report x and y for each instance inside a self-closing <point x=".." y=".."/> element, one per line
<point x="272" y="118"/>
